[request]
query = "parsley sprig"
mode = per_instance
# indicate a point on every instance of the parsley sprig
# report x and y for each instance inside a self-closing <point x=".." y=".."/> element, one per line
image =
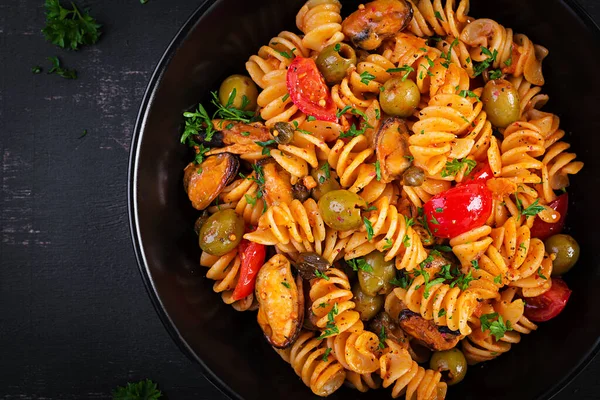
<point x="455" y="166"/>
<point x="142" y="390"/>
<point x="485" y="64"/>
<point x="69" y="28"/>
<point x="331" y="328"/>
<point x="60" y="70"/>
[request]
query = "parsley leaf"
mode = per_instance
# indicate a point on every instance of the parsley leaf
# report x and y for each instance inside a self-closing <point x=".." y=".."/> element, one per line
<point x="369" y="227"/>
<point x="475" y="264"/>
<point x="382" y="337"/>
<point x="142" y="390"/>
<point x="389" y="243"/>
<point x="540" y="274"/>
<point x="60" y="71"/>
<point x="468" y="93"/>
<point x="360" y="263"/>
<point x="36" y="70"/>
<point x="378" y="170"/>
<point x="69" y="29"/>
<point x="229" y="112"/>
<point x="366" y="77"/>
<point x="403" y="280"/>
<point x="266" y="150"/>
<point x="286" y="284"/>
<point x="337" y="47"/>
<point x="498" y="279"/>
<point x="286" y="54"/>
<point x="495" y="324"/>
<point x="533" y="209"/>
<point x="407" y="69"/>
<point x="455" y="166"/>
<point x="438" y="15"/>
<point x="331" y="328"/>
<point x="485" y="64"/>
<point x="495" y="74"/>
<point x="327" y="351"/>
<point x="442" y="312"/>
<point x="321" y="275"/>
<point x="463" y="281"/>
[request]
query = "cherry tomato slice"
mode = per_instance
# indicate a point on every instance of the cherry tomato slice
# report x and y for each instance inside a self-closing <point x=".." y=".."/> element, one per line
<point x="548" y="305"/>
<point x="252" y="256"/>
<point x="458" y="210"/>
<point x="543" y="230"/>
<point x="481" y="174"/>
<point x="308" y="90"/>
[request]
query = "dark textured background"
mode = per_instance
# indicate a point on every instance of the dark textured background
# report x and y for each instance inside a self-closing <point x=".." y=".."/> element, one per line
<point x="75" y="319"/>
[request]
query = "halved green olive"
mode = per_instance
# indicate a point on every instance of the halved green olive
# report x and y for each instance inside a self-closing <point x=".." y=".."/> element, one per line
<point x="566" y="250"/>
<point x="244" y="86"/>
<point x="399" y="97"/>
<point x="501" y="103"/>
<point x="377" y="279"/>
<point x="283" y="132"/>
<point x="340" y="209"/>
<point x="413" y="176"/>
<point x="221" y="232"/>
<point x="333" y="63"/>
<point x="366" y="305"/>
<point x="326" y="181"/>
<point x="451" y="361"/>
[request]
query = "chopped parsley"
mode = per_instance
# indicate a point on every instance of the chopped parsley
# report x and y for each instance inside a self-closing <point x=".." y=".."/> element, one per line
<point x="266" y="151"/>
<point x="485" y="64"/>
<point x="250" y="199"/>
<point x="337" y="47"/>
<point x="60" y="71"/>
<point x="331" y="328"/>
<point x="328" y="350"/>
<point x="403" y="280"/>
<point x="388" y="244"/>
<point x="455" y="166"/>
<point x="284" y="98"/>
<point x="442" y="312"/>
<point x="540" y="274"/>
<point x="405" y="241"/>
<point x="438" y="15"/>
<point x="286" y="54"/>
<point x="321" y="275"/>
<point x="495" y="324"/>
<point x="475" y="264"/>
<point x="287" y="285"/>
<point x="468" y="93"/>
<point x="36" y="70"/>
<point x="407" y="69"/>
<point x="382" y="337"/>
<point x="377" y="170"/>
<point x="495" y="74"/>
<point x="369" y="227"/>
<point x="366" y="77"/>
<point x="360" y="263"/>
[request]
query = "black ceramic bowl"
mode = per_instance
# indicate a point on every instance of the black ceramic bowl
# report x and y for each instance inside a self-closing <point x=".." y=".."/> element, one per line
<point x="216" y="42"/>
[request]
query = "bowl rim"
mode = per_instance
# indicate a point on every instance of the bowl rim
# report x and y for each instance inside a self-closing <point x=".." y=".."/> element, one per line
<point x="132" y="204"/>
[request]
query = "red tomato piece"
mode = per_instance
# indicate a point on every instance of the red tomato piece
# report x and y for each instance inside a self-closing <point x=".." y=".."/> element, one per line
<point x="458" y="210"/>
<point x="543" y="230"/>
<point x="308" y="90"/>
<point x="252" y="256"/>
<point x="548" y="305"/>
<point x="482" y="173"/>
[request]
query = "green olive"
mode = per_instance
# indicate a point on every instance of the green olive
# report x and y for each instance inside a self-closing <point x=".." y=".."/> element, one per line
<point x="399" y="97"/>
<point x="339" y="209"/>
<point x="501" y="103"/>
<point x="334" y="61"/>
<point x="326" y="182"/>
<point x="377" y="279"/>
<point x="243" y="86"/>
<point x="283" y="132"/>
<point x="451" y="361"/>
<point x="367" y="306"/>
<point x="413" y="176"/>
<point x="566" y="250"/>
<point x="221" y="232"/>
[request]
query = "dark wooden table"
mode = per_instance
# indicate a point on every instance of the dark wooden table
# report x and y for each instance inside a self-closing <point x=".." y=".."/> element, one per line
<point x="75" y="319"/>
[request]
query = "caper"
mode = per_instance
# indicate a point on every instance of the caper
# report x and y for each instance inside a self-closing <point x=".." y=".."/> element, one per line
<point x="452" y="362"/>
<point x="339" y="209"/>
<point x="413" y="176"/>
<point x="244" y="86"/>
<point x="376" y="279"/>
<point x="566" y="250"/>
<point x="300" y="192"/>
<point x="334" y="61"/>
<point x="501" y="103"/>
<point x="326" y="180"/>
<point x="399" y="97"/>
<point x="283" y="132"/>
<point x="308" y="263"/>
<point x="367" y="306"/>
<point x="221" y="232"/>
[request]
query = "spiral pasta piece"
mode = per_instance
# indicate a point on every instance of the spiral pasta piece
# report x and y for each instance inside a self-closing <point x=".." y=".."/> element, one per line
<point x="323" y="375"/>
<point x="481" y="346"/>
<point x="303" y="151"/>
<point x="278" y="54"/>
<point x="458" y="305"/>
<point x="516" y="54"/>
<point x="275" y="102"/>
<point x="330" y="295"/>
<point x="224" y="270"/>
<point x="356" y="351"/>
<point x="320" y="21"/>
<point x="349" y="161"/>
<point x="392" y="235"/>
<point x="360" y="88"/>
<point x="430" y="19"/>
<point x="242" y="195"/>
<point x="397" y="368"/>
<point x="363" y="382"/>
<point x="297" y="222"/>
<point x="435" y="137"/>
